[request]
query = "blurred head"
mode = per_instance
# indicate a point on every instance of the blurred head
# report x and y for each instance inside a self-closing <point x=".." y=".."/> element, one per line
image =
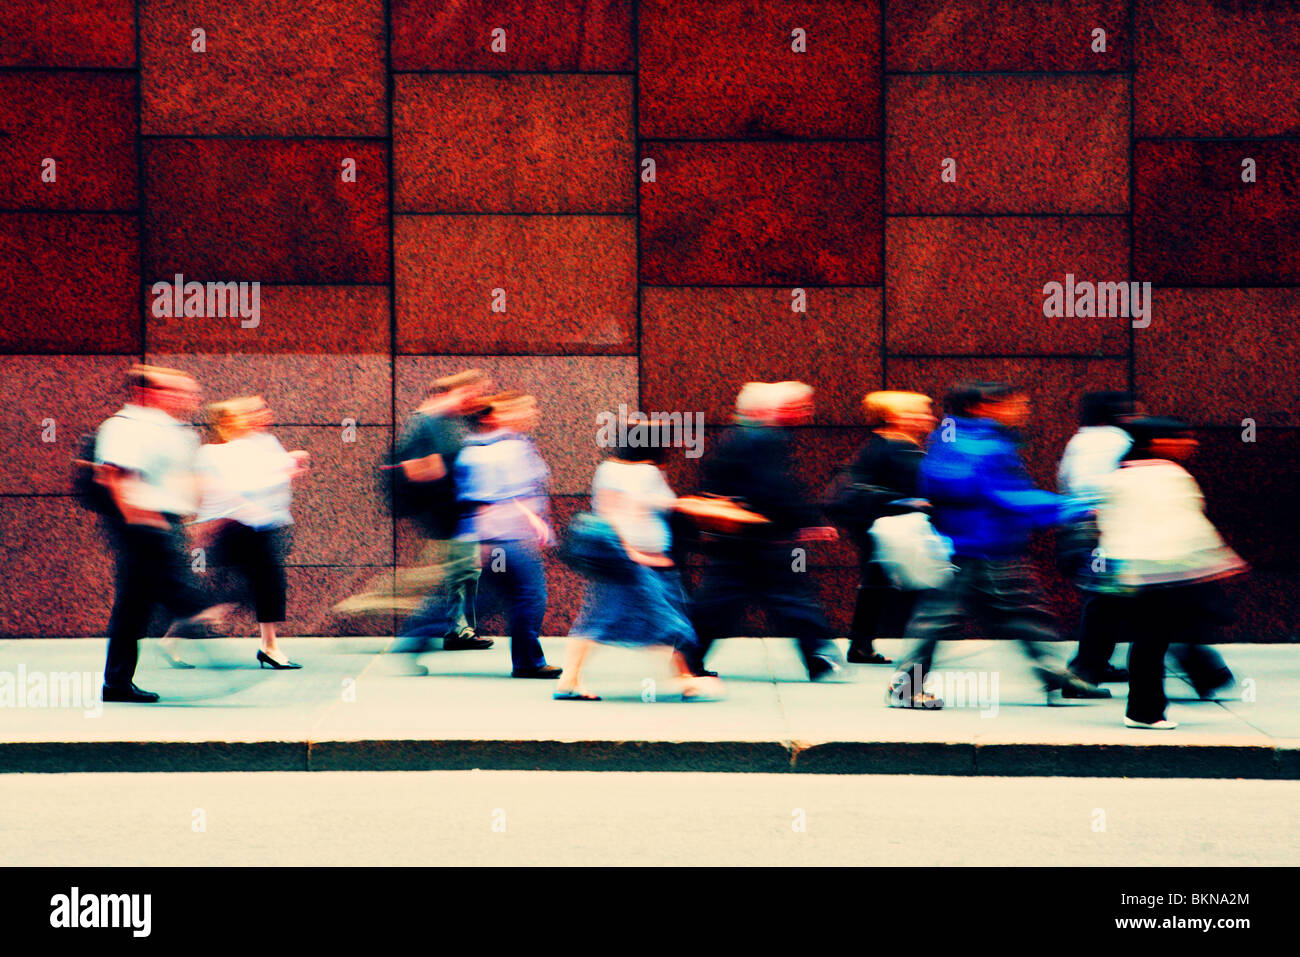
<point x="1002" y="402"/>
<point x="459" y="394"/>
<point x="236" y="418"/>
<point x="512" y="411"/>
<point x="644" y="454"/>
<point x="1160" y="437"/>
<point x="1106" y="408"/>
<point x="168" y="390"/>
<point x="910" y="413"/>
<point x="652" y="453"/>
<point x="775" y="403"/>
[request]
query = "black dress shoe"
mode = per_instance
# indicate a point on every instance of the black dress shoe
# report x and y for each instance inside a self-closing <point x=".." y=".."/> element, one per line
<point x="1219" y="680"/>
<point x="130" y="694"/>
<point x="857" y="656"/>
<point x="546" y="671"/>
<point x="822" y="668"/>
<point x="263" y="659"/>
<point x="467" y="641"/>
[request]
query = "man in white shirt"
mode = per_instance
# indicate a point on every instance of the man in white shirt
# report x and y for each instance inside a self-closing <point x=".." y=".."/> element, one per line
<point x="144" y="456"/>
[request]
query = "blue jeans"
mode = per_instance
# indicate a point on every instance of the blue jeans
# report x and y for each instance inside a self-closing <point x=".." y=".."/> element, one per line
<point x="513" y="571"/>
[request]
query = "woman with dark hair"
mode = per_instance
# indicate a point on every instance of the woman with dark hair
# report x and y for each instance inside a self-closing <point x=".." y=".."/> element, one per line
<point x="1163" y="558"/>
<point x="984" y="502"/>
<point x="648" y="608"/>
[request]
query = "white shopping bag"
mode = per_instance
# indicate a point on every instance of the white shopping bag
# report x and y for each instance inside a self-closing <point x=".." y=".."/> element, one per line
<point x="912" y="554"/>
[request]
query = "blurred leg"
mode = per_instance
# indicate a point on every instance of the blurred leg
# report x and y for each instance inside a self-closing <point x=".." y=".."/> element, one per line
<point x="1009" y="603"/>
<point x="868" y="610"/>
<point x="1098" y="630"/>
<point x="1204" y="667"/>
<point x="937" y="615"/>
<point x="576" y="652"/>
<point x="1146" y="659"/>
<point x="132" y="604"/>
<point x="715" y="607"/>
<point x="789" y="597"/>
<point x="525" y="583"/>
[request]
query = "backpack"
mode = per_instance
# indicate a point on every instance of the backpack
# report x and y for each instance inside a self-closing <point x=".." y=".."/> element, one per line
<point x="90" y="494"/>
<point x="407" y="499"/>
<point x="403" y="498"/>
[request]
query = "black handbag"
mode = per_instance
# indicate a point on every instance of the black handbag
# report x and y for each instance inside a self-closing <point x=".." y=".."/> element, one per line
<point x="1075" y="544"/>
<point x="854" y="506"/>
<point x="593" y="549"/>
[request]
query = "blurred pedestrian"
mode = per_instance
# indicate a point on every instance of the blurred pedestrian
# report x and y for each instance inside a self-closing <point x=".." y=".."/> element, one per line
<point x="245" y="482"/>
<point x="752" y="464"/>
<point x="984" y="502"/>
<point x="648" y="608"/>
<point x="144" y="457"/>
<point x="1163" y="560"/>
<point x="882" y="480"/>
<point x="1091" y="455"/>
<point x="501" y="484"/>
<point x="427" y="453"/>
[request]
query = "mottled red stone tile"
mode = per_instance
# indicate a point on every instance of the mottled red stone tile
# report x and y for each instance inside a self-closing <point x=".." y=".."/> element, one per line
<point x="568" y="284"/>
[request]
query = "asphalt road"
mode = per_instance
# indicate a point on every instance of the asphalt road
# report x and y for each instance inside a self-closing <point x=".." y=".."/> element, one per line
<point x="576" y="818"/>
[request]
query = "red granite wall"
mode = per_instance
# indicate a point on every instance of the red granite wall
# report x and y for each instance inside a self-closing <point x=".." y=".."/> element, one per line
<point x="521" y="170"/>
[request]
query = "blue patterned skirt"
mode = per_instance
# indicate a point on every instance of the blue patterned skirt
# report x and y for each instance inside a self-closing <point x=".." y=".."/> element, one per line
<point x="646" y="611"/>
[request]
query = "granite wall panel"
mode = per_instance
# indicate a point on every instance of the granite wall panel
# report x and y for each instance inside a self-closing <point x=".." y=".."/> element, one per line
<point x="513" y="143"/>
<point x="68" y="33"/>
<point x="1031" y="35"/>
<point x="69" y="141"/>
<point x="516" y="284"/>
<point x="267" y="67"/>
<point x="738" y="69"/>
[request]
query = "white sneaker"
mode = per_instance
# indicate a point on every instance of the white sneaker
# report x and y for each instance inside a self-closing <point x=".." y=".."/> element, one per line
<point x="1164" y="724"/>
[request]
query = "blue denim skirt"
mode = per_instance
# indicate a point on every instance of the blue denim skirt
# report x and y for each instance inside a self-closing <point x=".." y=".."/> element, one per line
<point x="648" y="610"/>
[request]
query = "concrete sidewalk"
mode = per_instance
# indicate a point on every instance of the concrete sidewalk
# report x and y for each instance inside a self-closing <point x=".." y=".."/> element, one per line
<point x="348" y="709"/>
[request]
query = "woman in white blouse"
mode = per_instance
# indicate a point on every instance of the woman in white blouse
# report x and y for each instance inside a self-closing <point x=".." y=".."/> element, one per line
<point x="245" y="482"/>
<point x="1163" y="559"/>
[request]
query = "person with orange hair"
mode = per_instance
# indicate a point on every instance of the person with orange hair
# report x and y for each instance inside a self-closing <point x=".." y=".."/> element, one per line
<point x="883" y="480"/>
<point x="245" y="480"/>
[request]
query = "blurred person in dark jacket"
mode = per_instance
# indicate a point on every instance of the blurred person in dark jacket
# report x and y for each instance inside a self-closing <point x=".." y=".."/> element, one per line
<point x="984" y="501"/>
<point x="429" y="445"/>
<point x="752" y="464"/>
<point x="882" y="480"/>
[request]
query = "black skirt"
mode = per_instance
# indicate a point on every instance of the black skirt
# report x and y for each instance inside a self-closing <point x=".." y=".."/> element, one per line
<point x="257" y="555"/>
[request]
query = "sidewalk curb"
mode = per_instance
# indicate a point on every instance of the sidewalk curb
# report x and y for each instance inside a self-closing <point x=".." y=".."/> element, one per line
<point x="1261" y="762"/>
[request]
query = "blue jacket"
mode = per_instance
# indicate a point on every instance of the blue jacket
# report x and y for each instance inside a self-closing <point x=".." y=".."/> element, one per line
<point x="983" y="498"/>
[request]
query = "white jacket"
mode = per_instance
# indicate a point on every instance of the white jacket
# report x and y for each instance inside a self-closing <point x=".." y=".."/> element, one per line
<point x="1154" y="530"/>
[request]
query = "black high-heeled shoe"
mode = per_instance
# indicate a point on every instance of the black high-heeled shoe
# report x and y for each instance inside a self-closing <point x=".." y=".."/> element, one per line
<point x="263" y="659"/>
